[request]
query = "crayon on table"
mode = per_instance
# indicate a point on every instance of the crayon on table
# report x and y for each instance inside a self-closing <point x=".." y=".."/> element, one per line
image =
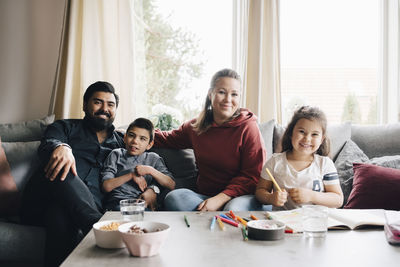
<point x="233" y="215"/>
<point x="221" y="225"/>
<point x="224" y="216"/>
<point x="253" y="217"/>
<point x="186" y="221"/>
<point x="268" y="215"/>
<point x="241" y="220"/>
<point x="245" y="238"/>
<point x="228" y="221"/>
<point x="212" y="223"/>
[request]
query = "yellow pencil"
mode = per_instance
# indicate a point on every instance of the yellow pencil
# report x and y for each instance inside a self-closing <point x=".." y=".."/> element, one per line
<point x="273" y="180"/>
<point x="221" y="225"/>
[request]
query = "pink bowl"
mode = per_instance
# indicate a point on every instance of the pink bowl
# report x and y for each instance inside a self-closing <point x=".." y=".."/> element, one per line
<point x="145" y="244"/>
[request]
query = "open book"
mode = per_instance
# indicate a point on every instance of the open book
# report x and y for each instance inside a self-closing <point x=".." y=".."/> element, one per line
<point x="345" y="219"/>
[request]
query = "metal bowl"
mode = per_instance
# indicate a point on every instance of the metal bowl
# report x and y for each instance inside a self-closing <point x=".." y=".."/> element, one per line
<point x="265" y="229"/>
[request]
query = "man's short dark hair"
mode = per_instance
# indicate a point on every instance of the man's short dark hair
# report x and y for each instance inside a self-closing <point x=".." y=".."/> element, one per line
<point x="100" y="86"/>
<point x="143" y="124"/>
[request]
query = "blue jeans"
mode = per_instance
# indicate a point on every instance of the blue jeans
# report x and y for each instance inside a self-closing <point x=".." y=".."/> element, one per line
<point x="187" y="200"/>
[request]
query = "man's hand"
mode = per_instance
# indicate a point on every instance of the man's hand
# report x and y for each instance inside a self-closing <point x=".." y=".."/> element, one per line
<point x="140" y="181"/>
<point x="214" y="203"/>
<point x="151" y="198"/>
<point x="61" y="159"/>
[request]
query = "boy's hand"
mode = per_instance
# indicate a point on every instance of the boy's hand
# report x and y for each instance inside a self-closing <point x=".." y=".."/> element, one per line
<point x="151" y="199"/>
<point x="140" y="181"/>
<point x="279" y="198"/>
<point x="301" y="195"/>
<point x="142" y="170"/>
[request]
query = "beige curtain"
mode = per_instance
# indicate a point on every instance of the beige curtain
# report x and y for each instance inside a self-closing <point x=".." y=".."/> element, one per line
<point x="258" y="57"/>
<point x="99" y="43"/>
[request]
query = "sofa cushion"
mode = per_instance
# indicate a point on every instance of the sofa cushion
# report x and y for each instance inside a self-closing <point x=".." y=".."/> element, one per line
<point x="374" y="187"/>
<point x="181" y="163"/>
<point x="25" y="131"/>
<point x="267" y="133"/>
<point x="377" y="140"/>
<point x="22" y="162"/>
<point x="344" y="164"/>
<point x="9" y="197"/>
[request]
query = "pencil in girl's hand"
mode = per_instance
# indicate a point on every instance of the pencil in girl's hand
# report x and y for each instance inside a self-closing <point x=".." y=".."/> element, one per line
<point x="212" y="223"/>
<point x="273" y="180"/>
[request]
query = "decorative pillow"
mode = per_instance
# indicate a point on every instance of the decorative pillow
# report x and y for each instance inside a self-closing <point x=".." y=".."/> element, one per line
<point x="338" y="135"/>
<point x="9" y="197"/>
<point x="267" y="132"/>
<point x="25" y="131"/>
<point x="344" y="164"/>
<point x="374" y="187"/>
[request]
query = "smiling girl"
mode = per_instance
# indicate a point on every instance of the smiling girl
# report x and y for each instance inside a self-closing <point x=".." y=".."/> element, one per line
<point x="303" y="171"/>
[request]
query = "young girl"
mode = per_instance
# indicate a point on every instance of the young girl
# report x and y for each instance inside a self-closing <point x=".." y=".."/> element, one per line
<point x="303" y="171"/>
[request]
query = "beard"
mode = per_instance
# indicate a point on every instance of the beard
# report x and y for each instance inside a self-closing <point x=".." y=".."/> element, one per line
<point x="99" y="124"/>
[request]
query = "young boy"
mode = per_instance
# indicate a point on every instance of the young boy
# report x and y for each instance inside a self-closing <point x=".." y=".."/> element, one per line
<point x="129" y="172"/>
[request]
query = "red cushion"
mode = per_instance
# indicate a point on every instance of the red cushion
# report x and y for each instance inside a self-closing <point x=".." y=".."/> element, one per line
<point x="374" y="187"/>
<point x="9" y="196"/>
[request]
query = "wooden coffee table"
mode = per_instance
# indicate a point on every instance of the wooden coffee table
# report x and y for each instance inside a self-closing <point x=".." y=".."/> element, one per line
<point x="197" y="245"/>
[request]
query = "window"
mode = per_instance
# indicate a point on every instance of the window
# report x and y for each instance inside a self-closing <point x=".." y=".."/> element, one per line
<point x="330" y="58"/>
<point x="185" y="43"/>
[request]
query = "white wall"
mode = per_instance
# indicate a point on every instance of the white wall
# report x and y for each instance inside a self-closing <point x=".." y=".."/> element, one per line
<point x="30" y="32"/>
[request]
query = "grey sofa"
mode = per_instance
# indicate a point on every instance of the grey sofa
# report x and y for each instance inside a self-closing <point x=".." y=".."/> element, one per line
<point x="22" y="245"/>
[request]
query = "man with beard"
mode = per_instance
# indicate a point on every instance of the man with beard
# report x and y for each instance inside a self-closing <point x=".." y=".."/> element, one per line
<point x="65" y="194"/>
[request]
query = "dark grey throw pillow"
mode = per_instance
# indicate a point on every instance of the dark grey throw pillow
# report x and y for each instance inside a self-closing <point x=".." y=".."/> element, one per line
<point x="344" y="164"/>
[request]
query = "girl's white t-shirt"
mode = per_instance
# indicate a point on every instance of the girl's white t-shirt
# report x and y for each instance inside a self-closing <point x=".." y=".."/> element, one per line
<point x="321" y="172"/>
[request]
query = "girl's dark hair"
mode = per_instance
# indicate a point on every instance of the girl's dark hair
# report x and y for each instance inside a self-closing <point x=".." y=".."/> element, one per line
<point x="205" y="118"/>
<point x="100" y="87"/>
<point x="143" y="124"/>
<point x="309" y="113"/>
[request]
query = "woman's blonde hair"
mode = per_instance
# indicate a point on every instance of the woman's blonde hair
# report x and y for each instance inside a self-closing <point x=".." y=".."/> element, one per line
<point x="205" y="118"/>
<point x="309" y="113"/>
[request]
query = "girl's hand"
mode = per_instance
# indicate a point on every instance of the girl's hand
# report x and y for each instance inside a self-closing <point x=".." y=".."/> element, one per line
<point x="279" y="198"/>
<point x="214" y="203"/>
<point x="140" y="181"/>
<point x="142" y="170"/>
<point x="301" y="195"/>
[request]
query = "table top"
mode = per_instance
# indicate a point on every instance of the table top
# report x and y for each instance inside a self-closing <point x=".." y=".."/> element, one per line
<point x="197" y="245"/>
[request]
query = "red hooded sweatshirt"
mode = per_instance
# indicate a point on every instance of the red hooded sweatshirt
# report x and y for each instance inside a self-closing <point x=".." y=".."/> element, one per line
<point x="229" y="156"/>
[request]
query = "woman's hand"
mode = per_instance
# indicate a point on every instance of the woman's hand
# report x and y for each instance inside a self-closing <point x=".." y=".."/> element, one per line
<point x="279" y="198"/>
<point x="214" y="203"/>
<point x="301" y="195"/>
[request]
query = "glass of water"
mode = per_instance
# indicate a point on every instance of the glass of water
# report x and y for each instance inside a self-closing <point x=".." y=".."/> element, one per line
<point x="132" y="209"/>
<point x="315" y="220"/>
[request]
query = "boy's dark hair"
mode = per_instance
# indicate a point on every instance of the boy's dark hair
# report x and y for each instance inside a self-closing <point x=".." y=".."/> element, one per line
<point x="100" y="86"/>
<point x="309" y="113"/>
<point x="143" y="123"/>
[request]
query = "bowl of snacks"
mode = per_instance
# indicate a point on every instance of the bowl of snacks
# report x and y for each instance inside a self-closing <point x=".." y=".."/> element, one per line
<point x="144" y="239"/>
<point x="107" y="235"/>
<point x="265" y="229"/>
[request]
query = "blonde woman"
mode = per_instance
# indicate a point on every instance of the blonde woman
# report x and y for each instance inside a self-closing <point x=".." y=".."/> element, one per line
<point x="228" y="148"/>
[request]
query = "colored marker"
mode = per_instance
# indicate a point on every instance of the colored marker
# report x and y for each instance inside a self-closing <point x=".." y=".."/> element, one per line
<point x="228" y="221"/>
<point x="245" y="238"/>
<point x="186" y="221"/>
<point x="241" y="220"/>
<point x="224" y="216"/>
<point x="233" y="215"/>
<point x="212" y="223"/>
<point x="268" y="215"/>
<point x="253" y="217"/>
<point x="221" y="225"/>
